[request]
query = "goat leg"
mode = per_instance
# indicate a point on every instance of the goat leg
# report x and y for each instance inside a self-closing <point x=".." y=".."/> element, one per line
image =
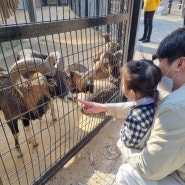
<point x="53" y="111"/>
<point x="30" y="137"/>
<point x="18" y="148"/>
<point x="13" y="125"/>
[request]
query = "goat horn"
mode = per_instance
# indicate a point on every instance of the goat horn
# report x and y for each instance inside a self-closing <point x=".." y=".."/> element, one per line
<point x="84" y="80"/>
<point x="30" y="65"/>
<point x="56" y="59"/>
<point x="119" y="55"/>
<point x="109" y="55"/>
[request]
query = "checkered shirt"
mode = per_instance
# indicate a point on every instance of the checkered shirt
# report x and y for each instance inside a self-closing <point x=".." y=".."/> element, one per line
<point x="137" y="123"/>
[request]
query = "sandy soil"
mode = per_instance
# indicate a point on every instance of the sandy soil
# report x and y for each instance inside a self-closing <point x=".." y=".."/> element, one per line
<point x="97" y="163"/>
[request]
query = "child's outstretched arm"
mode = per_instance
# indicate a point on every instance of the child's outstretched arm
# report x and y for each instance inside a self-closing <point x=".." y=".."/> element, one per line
<point x="92" y="107"/>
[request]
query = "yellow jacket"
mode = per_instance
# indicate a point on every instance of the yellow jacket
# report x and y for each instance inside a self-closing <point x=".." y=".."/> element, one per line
<point x="151" y="5"/>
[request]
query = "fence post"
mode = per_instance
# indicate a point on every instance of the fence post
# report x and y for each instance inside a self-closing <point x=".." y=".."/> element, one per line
<point x="183" y="12"/>
<point x="134" y="29"/>
<point x="170" y="6"/>
<point x="109" y="12"/>
<point x="86" y="8"/>
<point x="31" y="10"/>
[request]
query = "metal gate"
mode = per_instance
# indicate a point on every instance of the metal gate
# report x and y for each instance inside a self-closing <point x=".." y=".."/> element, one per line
<point x="49" y="56"/>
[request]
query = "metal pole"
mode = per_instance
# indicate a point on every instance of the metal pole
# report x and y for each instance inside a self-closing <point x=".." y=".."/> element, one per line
<point x="183" y="12"/>
<point x="170" y="6"/>
<point x="1" y="183"/>
<point x="134" y="28"/>
<point x="79" y="6"/>
<point x="86" y="8"/>
<point x="109" y="12"/>
<point x="32" y="10"/>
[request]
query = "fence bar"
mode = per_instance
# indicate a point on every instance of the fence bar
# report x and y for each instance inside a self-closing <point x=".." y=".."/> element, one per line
<point x="31" y="30"/>
<point x="134" y="28"/>
<point x="50" y="173"/>
<point x="32" y="11"/>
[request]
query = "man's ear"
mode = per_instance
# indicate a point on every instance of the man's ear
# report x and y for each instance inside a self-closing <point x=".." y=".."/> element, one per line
<point x="180" y="64"/>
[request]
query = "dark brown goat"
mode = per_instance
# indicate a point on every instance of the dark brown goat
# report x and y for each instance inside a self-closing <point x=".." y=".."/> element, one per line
<point x="26" y="93"/>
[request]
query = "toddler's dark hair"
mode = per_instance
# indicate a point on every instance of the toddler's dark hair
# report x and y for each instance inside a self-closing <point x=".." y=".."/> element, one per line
<point x="143" y="76"/>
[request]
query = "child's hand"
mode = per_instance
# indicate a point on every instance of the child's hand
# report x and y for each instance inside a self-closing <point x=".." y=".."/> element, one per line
<point x="92" y="107"/>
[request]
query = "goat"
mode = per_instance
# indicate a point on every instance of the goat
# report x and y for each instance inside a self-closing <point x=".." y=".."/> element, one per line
<point x="86" y="84"/>
<point x="106" y="36"/>
<point x="57" y="85"/>
<point x="74" y="73"/>
<point x="25" y="94"/>
<point x="107" y="47"/>
<point x="108" y="65"/>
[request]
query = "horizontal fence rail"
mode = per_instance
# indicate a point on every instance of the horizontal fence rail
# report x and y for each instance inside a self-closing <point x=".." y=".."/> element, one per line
<point x="51" y="53"/>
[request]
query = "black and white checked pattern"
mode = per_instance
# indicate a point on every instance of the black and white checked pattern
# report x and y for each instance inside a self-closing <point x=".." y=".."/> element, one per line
<point x="137" y="123"/>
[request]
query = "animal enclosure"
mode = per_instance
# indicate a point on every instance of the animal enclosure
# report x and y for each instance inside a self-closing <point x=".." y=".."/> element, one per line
<point x="50" y="55"/>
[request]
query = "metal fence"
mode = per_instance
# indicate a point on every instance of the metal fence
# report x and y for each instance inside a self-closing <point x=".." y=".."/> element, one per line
<point x="49" y="55"/>
<point x="176" y="5"/>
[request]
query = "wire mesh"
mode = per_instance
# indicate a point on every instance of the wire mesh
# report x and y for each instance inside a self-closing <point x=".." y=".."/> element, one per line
<point x="44" y="70"/>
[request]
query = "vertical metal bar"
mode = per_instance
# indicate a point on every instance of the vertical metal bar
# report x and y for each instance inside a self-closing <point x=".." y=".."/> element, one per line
<point x="32" y="10"/>
<point x="170" y="6"/>
<point x="120" y="25"/>
<point x="79" y="6"/>
<point x="180" y="5"/>
<point x="183" y="12"/>
<point x="109" y="6"/>
<point x="134" y="28"/>
<point x="109" y="12"/>
<point x="1" y="183"/>
<point x="96" y="11"/>
<point x="97" y="8"/>
<point x="86" y="8"/>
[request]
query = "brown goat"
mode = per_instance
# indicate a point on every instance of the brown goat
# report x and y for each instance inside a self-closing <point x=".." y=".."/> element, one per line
<point x="26" y="97"/>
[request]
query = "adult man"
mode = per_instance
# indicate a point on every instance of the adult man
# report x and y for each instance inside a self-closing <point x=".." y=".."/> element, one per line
<point x="162" y="159"/>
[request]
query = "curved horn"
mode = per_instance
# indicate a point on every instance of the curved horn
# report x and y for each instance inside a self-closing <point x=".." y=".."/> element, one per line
<point x="92" y="73"/>
<point x="56" y="59"/>
<point x="76" y="67"/>
<point x="107" y="55"/>
<point x="84" y="80"/>
<point x="30" y="65"/>
<point x="119" y="55"/>
<point x="29" y="53"/>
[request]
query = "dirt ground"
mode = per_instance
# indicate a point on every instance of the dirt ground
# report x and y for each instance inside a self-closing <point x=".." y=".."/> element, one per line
<point x="96" y="163"/>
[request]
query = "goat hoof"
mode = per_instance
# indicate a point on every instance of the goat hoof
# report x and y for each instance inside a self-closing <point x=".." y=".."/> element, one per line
<point x="18" y="152"/>
<point x="35" y="145"/>
<point x="54" y="119"/>
<point x="19" y="155"/>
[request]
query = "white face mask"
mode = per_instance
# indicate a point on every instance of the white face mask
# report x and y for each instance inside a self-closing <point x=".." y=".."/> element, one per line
<point x="166" y="83"/>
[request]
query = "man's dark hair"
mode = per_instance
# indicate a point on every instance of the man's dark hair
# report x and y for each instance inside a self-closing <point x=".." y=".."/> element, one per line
<point x="172" y="46"/>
